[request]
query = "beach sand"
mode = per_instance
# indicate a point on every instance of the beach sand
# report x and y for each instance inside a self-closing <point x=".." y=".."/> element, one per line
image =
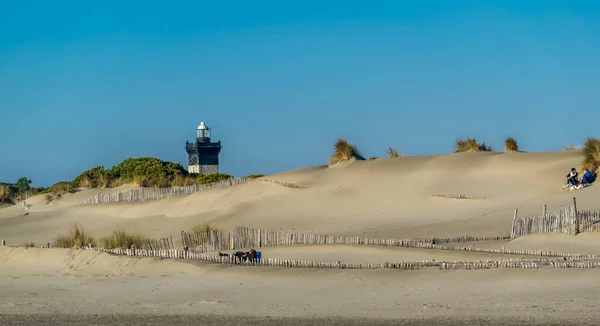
<point x="388" y="198"/>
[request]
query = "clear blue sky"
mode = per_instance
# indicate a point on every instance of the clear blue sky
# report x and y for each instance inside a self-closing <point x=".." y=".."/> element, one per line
<point x="91" y="83"/>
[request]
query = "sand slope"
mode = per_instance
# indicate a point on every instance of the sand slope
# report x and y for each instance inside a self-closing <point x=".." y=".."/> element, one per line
<point x="391" y="198"/>
<point x="79" y="282"/>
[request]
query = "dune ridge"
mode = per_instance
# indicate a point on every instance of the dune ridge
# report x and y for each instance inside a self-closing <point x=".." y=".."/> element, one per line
<point x="390" y="198"/>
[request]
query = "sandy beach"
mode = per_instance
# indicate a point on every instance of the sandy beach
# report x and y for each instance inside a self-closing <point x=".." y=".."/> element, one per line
<point x="385" y="198"/>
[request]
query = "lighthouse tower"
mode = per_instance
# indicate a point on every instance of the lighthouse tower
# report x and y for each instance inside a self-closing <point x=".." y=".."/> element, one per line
<point x="203" y="155"/>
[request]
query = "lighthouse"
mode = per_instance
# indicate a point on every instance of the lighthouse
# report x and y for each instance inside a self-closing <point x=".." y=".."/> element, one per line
<point x="203" y="155"/>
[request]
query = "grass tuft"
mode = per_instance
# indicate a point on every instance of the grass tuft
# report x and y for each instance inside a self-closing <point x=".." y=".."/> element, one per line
<point x="591" y="152"/>
<point x="391" y="152"/>
<point x="4" y="194"/>
<point x="471" y="145"/>
<point x="344" y="151"/>
<point x="76" y="238"/>
<point x="510" y="145"/>
<point x="123" y="239"/>
<point x="202" y="230"/>
<point x="49" y="198"/>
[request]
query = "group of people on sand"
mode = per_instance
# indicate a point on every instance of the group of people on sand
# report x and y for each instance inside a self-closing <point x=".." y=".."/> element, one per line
<point x="586" y="180"/>
<point x="249" y="256"/>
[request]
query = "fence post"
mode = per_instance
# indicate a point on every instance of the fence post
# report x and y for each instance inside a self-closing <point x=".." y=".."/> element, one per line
<point x="3" y="243"/>
<point x="576" y="216"/>
<point x="259" y="238"/>
<point x="544" y="210"/>
<point x="512" y="233"/>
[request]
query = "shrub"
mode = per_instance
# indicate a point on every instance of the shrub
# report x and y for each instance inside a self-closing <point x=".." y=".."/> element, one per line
<point x="76" y="238"/>
<point x="94" y="177"/>
<point x="62" y="187"/>
<point x="344" y="151"/>
<point x="254" y="176"/>
<point x="210" y="178"/>
<point x="471" y="145"/>
<point x="391" y="152"/>
<point x="146" y="167"/>
<point x="204" y="228"/>
<point x="591" y="152"/>
<point x="4" y="193"/>
<point x="49" y="198"/>
<point x="123" y="239"/>
<point x="181" y="181"/>
<point x="29" y="245"/>
<point x="510" y="145"/>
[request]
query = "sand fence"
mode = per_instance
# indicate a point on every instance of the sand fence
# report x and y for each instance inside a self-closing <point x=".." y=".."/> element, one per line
<point x="146" y="194"/>
<point x="402" y="265"/>
<point x="245" y="238"/>
<point x="567" y="220"/>
<point x="204" y="247"/>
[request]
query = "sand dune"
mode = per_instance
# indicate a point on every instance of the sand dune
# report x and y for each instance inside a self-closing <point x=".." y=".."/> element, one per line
<point x="391" y="198"/>
<point x="388" y="198"/>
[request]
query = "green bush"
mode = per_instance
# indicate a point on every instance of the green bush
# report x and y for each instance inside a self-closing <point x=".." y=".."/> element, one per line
<point x="94" y="177"/>
<point x="146" y="167"/>
<point x="254" y="176"/>
<point x="62" y="187"/>
<point x="210" y="178"/>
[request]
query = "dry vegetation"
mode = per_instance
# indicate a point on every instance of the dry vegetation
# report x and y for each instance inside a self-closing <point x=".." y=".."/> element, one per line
<point x="391" y="152"/>
<point x="4" y="194"/>
<point x="344" y="151"/>
<point x="471" y="145"/>
<point x="455" y="196"/>
<point x="591" y="152"/>
<point x="510" y="145"/>
<point x="76" y="238"/>
<point x="123" y="239"/>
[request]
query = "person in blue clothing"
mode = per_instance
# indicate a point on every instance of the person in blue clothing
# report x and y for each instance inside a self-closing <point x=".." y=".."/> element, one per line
<point x="572" y="178"/>
<point x="587" y="178"/>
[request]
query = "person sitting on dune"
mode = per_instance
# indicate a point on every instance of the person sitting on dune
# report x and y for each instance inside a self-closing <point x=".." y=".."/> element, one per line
<point x="587" y="178"/>
<point x="572" y="178"/>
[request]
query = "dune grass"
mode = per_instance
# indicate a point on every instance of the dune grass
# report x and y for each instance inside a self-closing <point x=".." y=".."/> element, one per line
<point x="4" y="194"/>
<point x="49" y="198"/>
<point x="344" y="151"/>
<point x="391" y="152"/>
<point x="202" y="231"/>
<point x="123" y="239"/>
<point x="510" y="145"/>
<point x="76" y="238"/>
<point x="29" y="245"/>
<point x="204" y="228"/>
<point x="471" y="145"/>
<point x="591" y="152"/>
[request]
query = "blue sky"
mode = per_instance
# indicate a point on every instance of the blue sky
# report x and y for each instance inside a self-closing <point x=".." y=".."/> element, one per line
<point x="92" y="83"/>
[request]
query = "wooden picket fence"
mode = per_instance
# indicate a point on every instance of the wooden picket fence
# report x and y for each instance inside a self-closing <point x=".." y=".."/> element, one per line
<point x="402" y="265"/>
<point x="146" y="194"/>
<point x="567" y="220"/>
<point x="246" y="238"/>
